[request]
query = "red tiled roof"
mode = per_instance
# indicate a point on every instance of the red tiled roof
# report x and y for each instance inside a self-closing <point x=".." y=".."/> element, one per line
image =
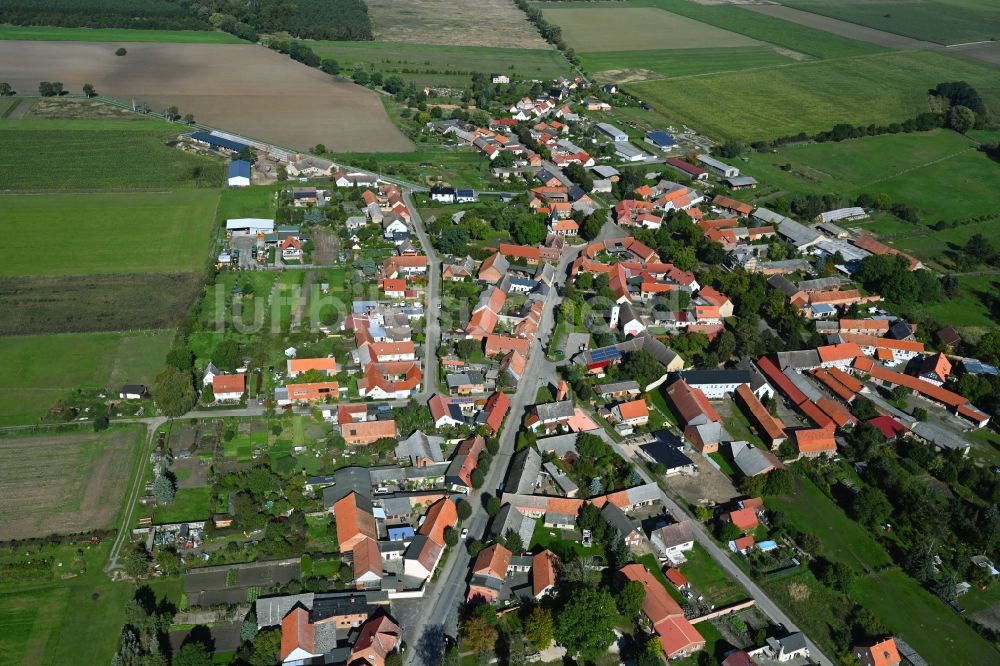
<point x="744" y="519"/>
<point x="229" y="384"/>
<point x="815" y="440"/>
<point x="297" y="633"/>
<point x="543" y="572"/>
<point x="492" y="561"/>
<point x="762" y="418"/>
<point x="440" y="516"/>
<point x="778" y="378"/>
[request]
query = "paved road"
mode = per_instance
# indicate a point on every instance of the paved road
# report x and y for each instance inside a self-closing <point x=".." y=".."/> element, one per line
<point x="436" y="613"/>
<point x="432" y="325"/>
<point x="722" y="557"/>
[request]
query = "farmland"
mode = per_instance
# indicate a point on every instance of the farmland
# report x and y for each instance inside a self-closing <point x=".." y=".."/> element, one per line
<point x="490" y="23"/>
<point x="931" y="20"/>
<point x="245" y="88"/>
<point x="95" y="303"/>
<point x="106" y="154"/>
<point x="37" y="370"/>
<point x="64" y="482"/>
<point x="629" y="66"/>
<point x="603" y="28"/>
<point x="57" y="34"/>
<point x="97" y="233"/>
<point x="787" y="35"/>
<point x="814" y="96"/>
<point x="443" y="65"/>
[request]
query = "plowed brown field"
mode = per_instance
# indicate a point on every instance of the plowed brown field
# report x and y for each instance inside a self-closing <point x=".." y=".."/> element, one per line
<point x="243" y="88"/>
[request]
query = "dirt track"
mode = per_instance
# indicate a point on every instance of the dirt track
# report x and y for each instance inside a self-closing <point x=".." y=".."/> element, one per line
<point x="62" y="483"/>
<point x="243" y="88"/>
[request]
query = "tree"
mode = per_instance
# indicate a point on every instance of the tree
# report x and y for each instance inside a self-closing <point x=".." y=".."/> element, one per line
<point x="630" y="599"/>
<point x="464" y="509"/>
<point x="871" y="507"/>
<point x="586" y="624"/>
<point x="529" y="231"/>
<point x="227" y="355"/>
<point x="360" y="77"/>
<point x="330" y="66"/>
<point x="450" y="536"/>
<point x="512" y="541"/>
<point x="478" y="478"/>
<point x="172" y="113"/>
<point x="265" y="648"/>
<point x="173" y="392"/>
<point x="961" y="119"/>
<point x="136" y="561"/>
<point x="120" y="51"/>
<point x="163" y="489"/>
<point x="88" y="90"/>
<point x="836" y="575"/>
<point x="193" y="654"/>
<point x="479" y="635"/>
<point x="641" y="366"/>
<point x="189" y="118"/>
<point x="249" y="628"/>
<point x="538" y="628"/>
<point x="493" y="506"/>
<point x="5" y="89"/>
<point x="101" y="423"/>
<point x="181" y="358"/>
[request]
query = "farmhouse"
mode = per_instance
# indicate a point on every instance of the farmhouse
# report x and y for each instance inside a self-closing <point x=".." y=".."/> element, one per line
<point x="229" y="388"/>
<point x="239" y="173"/>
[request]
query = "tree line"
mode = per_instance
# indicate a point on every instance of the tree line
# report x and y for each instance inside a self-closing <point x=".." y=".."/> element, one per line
<point x="136" y="14"/>
<point x="345" y="20"/>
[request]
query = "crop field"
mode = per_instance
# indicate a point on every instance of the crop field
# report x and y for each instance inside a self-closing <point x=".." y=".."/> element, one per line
<point x="65" y="482"/>
<point x="937" y="21"/>
<point x="96" y="303"/>
<point x="121" y="154"/>
<point x="814" y="96"/>
<point x="937" y="633"/>
<point x="940" y="172"/>
<point x="460" y="168"/>
<point x="444" y="65"/>
<point x="243" y="87"/>
<point x="631" y="66"/>
<point x="37" y="370"/>
<point x="785" y="34"/>
<point x="73" y="616"/>
<point x="491" y="23"/>
<point x="602" y="28"/>
<point x="56" y="34"/>
<point x="97" y="233"/>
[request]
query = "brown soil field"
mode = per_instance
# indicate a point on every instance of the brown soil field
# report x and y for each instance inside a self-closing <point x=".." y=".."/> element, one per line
<point x="497" y="23"/>
<point x="242" y="88"/>
<point x="63" y="483"/>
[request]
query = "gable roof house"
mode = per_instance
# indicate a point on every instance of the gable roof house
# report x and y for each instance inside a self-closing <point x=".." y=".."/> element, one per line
<point x="672" y="541"/>
<point x="628" y="531"/>
<point x="677" y="635"/>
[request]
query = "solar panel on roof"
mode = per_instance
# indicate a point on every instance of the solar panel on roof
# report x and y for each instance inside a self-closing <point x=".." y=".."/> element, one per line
<point x="604" y="354"/>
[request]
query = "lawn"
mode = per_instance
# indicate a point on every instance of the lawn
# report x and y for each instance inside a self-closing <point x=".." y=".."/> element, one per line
<point x="797" y="38"/>
<point x="464" y="167"/>
<point x="622" y="66"/>
<point x="36" y="370"/>
<point x="443" y="65"/>
<point x="938" y="21"/>
<point x="188" y="504"/>
<point x="844" y="540"/>
<point x="99" y="154"/>
<point x="604" y="28"/>
<point x="54" y="34"/>
<point x="709" y="578"/>
<point x="939" y="172"/>
<point x="818" y="611"/>
<point x="560" y="541"/>
<point x="71" y="621"/>
<point x="936" y="632"/>
<point x="95" y="233"/>
<point x="814" y="96"/>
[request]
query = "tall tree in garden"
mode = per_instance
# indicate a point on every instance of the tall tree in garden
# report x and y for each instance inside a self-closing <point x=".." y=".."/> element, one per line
<point x="586" y="623"/>
<point x="173" y="392"/>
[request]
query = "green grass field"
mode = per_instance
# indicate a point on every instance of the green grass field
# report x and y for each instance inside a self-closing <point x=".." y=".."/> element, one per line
<point x="72" y="621"/>
<point x="188" y="504"/>
<point x="54" y="34"/>
<point x="99" y="154"/>
<point x="618" y="66"/>
<point x="35" y="371"/>
<point x="443" y="65"/>
<point x="843" y="540"/>
<point x="814" y="96"/>
<point x="940" y="172"/>
<point x="798" y="38"/>
<point x="937" y="21"/>
<point x="107" y="233"/>
<point x="936" y="632"/>
<point x="462" y="168"/>
<point x="709" y="578"/>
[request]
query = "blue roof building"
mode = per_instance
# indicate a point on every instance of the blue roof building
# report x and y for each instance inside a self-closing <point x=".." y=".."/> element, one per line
<point x="239" y="173"/>
<point x="660" y="139"/>
<point x="218" y="141"/>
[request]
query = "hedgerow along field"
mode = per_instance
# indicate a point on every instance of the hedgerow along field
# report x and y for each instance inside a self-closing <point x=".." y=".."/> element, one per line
<point x="37" y="370"/>
<point x="100" y="154"/>
<point x="57" y="34"/>
<point x="814" y="96"/>
<point x="100" y="232"/>
<point x="64" y="483"/>
<point x="940" y="21"/>
<point x="429" y="64"/>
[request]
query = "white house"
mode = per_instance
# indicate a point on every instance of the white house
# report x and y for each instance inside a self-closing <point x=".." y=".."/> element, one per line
<point x="229" y="388"/>
<point x="393" y="225"/>
<point x="715" y="384"/>
<point x="211" y="372"/>
<point x="672" y="541"/>
<point x="443" y="194"/>
<point x="251" y="225"/>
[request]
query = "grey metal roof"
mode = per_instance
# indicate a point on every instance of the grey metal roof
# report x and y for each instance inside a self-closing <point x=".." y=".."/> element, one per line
<point x="551" y="411"/>
<point x="803" y="384"/>
<point x="420" y="445"/>
<point x="798" y="234"/>
<point x="561" y="445"/>
<point x="676" y="534"/>
<point x="615" y="387"/>
<point x="522" y="476"/>
<point x="807" y="358"/>
<point x="751" y="460"/>
<point x="618" y="520"/>
<point x="565" y="484"/>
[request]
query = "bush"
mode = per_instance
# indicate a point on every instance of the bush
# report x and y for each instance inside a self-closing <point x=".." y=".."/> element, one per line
<point x="121" y="51"/>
